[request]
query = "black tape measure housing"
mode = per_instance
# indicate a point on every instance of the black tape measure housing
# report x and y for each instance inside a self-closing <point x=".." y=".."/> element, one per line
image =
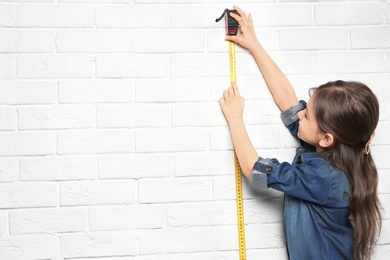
<point x="231" y="24"/>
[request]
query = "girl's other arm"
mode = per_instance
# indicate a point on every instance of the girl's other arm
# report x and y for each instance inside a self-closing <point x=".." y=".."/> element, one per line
<point x="232" y="105"/>
<point x="280" y="87"/>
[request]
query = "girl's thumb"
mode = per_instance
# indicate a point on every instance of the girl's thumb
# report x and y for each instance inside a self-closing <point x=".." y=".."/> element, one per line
<point x="231" y="38"/>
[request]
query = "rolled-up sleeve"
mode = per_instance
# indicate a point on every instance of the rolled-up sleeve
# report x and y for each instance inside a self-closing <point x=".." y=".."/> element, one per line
<point x="261" y="169"/>
<point x="310" y="181"/>
<point x="290" y="117"/>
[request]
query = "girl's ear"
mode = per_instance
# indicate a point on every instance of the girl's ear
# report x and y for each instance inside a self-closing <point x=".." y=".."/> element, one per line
<point x="326" y="141"/>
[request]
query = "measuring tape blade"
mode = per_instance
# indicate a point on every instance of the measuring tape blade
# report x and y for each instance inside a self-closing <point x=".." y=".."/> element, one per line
<point x="237" y="169"/>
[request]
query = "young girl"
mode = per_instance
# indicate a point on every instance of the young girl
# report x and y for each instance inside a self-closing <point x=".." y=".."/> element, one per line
<point x="332" y="176"/>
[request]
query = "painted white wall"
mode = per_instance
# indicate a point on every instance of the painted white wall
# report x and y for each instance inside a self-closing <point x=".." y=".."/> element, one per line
<point x="112" y="142"/>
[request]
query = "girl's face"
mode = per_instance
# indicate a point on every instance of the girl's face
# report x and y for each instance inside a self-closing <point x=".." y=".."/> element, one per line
<point x="308" y="130"/>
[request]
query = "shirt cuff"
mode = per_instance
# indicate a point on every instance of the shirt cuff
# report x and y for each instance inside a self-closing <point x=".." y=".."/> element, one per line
<point x="261" y="170"/>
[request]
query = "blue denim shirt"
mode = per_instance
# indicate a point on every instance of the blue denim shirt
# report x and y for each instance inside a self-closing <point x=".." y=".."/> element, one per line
<point x="316" y="206"/>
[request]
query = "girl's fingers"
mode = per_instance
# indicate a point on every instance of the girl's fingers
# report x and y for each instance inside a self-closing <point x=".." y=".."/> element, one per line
<point x="250" y="20"/>
<point x="239" y="11"/>
<point x="237" y="17"/>
<point x="226" y="95"/>
<point x="235" y="88"/>
<point x="231" y="92"/>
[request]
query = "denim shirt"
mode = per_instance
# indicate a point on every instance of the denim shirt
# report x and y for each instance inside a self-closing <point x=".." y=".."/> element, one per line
<point x="316" y="201"/>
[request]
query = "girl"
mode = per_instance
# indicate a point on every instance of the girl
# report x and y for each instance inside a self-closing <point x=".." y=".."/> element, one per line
<point x="332" y="176"/>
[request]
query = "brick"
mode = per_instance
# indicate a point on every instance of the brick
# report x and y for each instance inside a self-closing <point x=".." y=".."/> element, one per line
<point x="387" y="12"/>
<point x="27" y="143"/>
<point x="202" y="214"/>
<point x="370" y="38"/>
<point x="7" y="15"/>
<point x="213" y="65"/>
<point x="19" y="41"/>
<point x="381" y="133"/>
<point x="48" y="221"/>
<point x="177" y="241"/>
<point x="388" y="59"/>
<point x="95" y="91"/>
<point x="3" y="223"/>
<point x="170" y="140"/>
<point x="262" y="112"/>
<point x="204" y="256"/>
<point x="7" y="118"/>
<point x="173" y="190"/>
<point x="313" y="39"/>
<point x="381" y="252"/>
<point x="98" y="1"/>
<point x="282" y="15"/>
<point x="171" y="90"/>
<point x="195" y="16"/>
<point x="166" y="1"/>
<point x="132" y="217"/>
<point x="58" y="168"/>
<point x="220" y="139"/>
<point x="116" y="66"/>
<point x="135" y="166"/>
<point x="56" y="16"/>
<point x="57" y="117"/>
<point x="349" y="14"/>
<point x="350" y="62"/>
<point x="202" y="114"/>
<point x="93" y="41"/>
<point x="385" y="202"/>
<point x="28" y="195"/>
<point x="377" y="152"/>
<point x="37" y="246"/>
<point x="174" y="41"/>
<point x="97" y="193"/>
<point x="385" y="233"/>
<point x="265" y="137"/>
<point x="99" y="244"/>
<point x="290" y="63"/>
<point x="204" y="164"/>
<point x="132" y="116"/>
<point x="384" y="176"/>
<point x="54" y="66"/>
<point x="27" y="92"/>
<point x="7" y="66"/>
<point x="9" y="169"/>
<point x="132" y="16"/>
<point x="95" y="141"/>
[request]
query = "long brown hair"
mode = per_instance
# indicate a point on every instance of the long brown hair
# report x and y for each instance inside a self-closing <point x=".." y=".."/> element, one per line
<point x="350" y="112"/>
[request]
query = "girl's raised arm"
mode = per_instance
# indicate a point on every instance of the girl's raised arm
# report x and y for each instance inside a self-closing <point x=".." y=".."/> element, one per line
<point x="280" y="87"/>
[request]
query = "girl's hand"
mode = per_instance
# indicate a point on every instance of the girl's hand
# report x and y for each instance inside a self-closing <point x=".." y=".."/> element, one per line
<point x="232" y="104"/>
<point x="247" y="38"/>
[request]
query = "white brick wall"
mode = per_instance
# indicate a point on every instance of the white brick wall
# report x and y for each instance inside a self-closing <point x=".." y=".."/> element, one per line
<point x="113" y="145"/>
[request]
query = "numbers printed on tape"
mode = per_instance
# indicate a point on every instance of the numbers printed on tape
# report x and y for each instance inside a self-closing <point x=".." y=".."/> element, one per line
<point x="239" y="197"/>
<point x="232" y="26"/>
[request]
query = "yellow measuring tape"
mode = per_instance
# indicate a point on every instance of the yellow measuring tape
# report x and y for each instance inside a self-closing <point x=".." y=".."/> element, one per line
<point x="239" y="197"/>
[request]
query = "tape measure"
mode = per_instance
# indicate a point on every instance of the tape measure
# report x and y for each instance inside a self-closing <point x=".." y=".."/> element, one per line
<point x="232" y="29"/>
<point x="237" y="169"/>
